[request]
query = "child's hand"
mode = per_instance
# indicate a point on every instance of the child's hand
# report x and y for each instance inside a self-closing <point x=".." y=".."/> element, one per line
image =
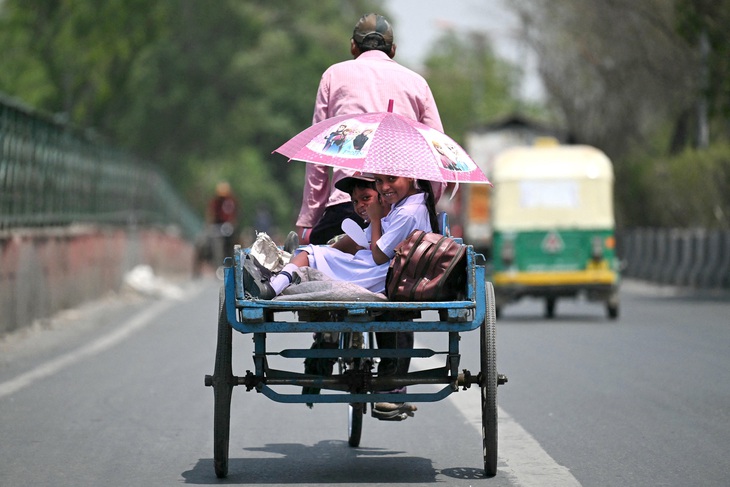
<point x="377" y="209"/>
<point x="385" y="206"/>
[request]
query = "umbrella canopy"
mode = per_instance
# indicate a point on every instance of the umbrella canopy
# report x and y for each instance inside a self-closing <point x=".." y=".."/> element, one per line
<point x="384" y="143"/>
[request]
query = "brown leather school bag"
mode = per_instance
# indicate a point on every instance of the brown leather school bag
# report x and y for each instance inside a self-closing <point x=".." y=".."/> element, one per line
<point x="427" y="267"/>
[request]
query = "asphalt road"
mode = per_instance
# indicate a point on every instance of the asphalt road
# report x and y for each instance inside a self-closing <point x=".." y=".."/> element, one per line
<point x="112" y="394"/>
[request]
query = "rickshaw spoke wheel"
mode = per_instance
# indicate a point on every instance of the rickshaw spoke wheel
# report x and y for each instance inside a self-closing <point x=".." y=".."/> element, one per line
<point x="222" y="389"/>
<point x="488" y="362"/>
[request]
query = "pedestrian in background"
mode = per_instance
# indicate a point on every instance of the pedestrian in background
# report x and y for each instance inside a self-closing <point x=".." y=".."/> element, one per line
<point x="223" y="215"/>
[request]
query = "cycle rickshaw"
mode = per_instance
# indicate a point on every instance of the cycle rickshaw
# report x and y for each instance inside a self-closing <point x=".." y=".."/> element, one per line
<point x="354" y="382"/>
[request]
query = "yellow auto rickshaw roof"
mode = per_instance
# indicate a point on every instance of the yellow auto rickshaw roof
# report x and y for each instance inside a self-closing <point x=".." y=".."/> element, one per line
<point x="552" y="187"/>
<point x="553" y="162"/>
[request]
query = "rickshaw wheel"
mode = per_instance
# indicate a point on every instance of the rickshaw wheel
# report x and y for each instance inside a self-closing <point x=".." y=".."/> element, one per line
<point x="488" y="360"/>
<point x="354" y="410"/>
<point x="222" y="389"/>
<point x="354" y="424"/>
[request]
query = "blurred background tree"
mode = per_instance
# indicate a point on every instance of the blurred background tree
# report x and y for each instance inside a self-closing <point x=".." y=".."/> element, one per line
<point x="470" y="84"/>
<point x="647" y="82"/>
<point x="207" y="89"/>
<point x="204" y="89"/>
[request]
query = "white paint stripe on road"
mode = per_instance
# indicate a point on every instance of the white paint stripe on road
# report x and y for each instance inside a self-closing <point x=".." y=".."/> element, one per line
<point x="526" y="463"/>
<point x="51" y="367"/>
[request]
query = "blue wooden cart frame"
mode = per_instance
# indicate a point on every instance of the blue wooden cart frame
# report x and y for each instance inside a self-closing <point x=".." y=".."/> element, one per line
<point x="357" y="387"/>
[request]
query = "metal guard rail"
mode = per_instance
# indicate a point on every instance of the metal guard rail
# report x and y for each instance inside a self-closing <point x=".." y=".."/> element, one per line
<point x="52" y="174"/>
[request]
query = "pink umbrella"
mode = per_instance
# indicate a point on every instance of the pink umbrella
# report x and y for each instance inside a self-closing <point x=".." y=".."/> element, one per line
<point x="384" y="143"/>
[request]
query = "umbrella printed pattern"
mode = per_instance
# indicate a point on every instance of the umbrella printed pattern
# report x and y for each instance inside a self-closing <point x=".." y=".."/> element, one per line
<point x="345" y="141"/>
<point x="384" y="143"/>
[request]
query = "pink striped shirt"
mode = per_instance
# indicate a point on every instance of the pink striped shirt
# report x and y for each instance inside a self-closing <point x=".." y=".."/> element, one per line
<point x="361" y="85"/>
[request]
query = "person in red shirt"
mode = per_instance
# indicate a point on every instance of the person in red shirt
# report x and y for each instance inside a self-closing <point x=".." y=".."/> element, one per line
<point x="223" y="214"/>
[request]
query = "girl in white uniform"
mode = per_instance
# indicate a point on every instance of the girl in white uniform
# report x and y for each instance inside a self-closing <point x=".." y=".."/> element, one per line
<point x="412" y="207"/>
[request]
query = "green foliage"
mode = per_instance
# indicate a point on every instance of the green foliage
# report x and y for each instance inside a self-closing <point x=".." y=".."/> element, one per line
<point x="709" y="20"/>
<point x="642" y="80"/>
<point x="691" y="188"/>
<point x="205" y="89"/>
<point x="687" y="190"/>
<point x="69" y="57"/>
<point x="471" y="86"/>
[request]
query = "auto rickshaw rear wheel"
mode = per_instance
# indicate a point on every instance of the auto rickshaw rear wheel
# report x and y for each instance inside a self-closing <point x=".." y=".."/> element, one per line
<point x="550" y="307"/>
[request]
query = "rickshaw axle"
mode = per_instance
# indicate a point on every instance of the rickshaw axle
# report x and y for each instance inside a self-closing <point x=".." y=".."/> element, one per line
<point x="354" y="382"/>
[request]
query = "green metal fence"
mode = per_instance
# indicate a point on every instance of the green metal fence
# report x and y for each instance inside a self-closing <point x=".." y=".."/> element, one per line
<point x="54" y="175"/>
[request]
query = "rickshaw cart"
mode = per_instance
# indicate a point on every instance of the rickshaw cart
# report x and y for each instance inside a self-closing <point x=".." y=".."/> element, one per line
<point x="354" y="381"/>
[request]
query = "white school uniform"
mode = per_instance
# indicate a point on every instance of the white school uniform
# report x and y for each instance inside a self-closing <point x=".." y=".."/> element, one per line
<point x="405" y="216"/>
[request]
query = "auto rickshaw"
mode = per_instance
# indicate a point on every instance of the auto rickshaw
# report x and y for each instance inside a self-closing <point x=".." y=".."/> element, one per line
<point x="553" y="222"/>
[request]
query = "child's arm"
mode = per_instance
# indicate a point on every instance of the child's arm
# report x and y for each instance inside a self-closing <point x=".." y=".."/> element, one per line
<point x="346" y="244"/>
<point x="378" y="256"/>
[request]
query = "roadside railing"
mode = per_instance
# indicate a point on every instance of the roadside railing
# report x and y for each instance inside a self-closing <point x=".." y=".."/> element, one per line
<point x="695" y="257"/>
<point x="52" y="174"/>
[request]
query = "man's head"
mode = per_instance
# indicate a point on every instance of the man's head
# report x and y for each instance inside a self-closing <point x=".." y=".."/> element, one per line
<point x="373" y="32"/>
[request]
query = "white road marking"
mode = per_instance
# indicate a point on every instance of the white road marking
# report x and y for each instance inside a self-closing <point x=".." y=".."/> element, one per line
<point x="103" y="343"/>
<point x="526" y="464"/>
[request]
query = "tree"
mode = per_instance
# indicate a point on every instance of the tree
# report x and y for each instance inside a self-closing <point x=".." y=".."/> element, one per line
<point x="471" y="86"/>
<point x="70" y="57"/>
<point x="644" y="80"/>
<point x="616" y="69"/>
<point x="703" y="24"/>
<point x="205" y="90"/>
